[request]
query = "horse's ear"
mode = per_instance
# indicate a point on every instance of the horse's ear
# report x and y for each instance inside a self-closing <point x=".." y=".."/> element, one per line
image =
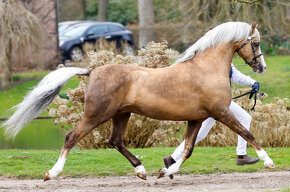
<point x="254" y="26"/>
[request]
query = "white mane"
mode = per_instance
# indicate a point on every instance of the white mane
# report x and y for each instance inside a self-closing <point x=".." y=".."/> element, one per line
<point x="227" y="32"/>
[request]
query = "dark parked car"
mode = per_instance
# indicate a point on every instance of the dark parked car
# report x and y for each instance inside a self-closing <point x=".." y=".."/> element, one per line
<point x="76" y="34"/>
<point x="63" y="26"/>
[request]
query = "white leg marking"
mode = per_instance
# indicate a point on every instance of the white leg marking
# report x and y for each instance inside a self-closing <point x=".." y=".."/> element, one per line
<point x="264" y="156"/>
<point x="140" y="169"/>
<point x="57" y="168"/>
<point x="173" y="168"/>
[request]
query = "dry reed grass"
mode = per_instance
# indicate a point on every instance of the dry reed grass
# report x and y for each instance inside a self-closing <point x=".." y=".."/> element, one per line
<point x="270" y="123"/>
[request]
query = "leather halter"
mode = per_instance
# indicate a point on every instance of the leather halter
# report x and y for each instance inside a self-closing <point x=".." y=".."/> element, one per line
<point x="253" y="62"/>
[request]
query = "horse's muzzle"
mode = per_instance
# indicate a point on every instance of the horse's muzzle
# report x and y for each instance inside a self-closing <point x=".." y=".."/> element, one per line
<point x="258" y="68"/>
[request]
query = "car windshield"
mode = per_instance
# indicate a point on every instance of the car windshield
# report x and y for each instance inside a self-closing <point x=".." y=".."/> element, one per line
<point x="62" y="27"/>
<point x="75" y="31"/>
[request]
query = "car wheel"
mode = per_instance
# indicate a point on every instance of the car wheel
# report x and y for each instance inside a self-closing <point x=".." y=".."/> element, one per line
<point x="128" y="49"/>
<point x="76" y="54"/>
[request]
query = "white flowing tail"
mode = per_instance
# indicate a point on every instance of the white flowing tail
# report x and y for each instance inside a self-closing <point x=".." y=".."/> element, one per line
<point x="39" y="98"/>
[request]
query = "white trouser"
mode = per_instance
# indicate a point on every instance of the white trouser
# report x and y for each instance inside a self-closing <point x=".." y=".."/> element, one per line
<point x="242" y="116"/>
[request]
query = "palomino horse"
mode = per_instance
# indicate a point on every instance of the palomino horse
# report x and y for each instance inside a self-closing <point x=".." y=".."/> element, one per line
<point x="193" y="89"/>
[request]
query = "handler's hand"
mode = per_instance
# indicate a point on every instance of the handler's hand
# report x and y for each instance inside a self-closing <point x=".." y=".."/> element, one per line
<point x="255" y="89"/>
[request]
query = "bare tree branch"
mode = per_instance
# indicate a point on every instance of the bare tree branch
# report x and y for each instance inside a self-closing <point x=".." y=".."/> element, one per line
<point x="245" y="1"/>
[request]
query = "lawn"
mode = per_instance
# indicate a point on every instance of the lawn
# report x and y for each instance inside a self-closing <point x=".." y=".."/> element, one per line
<point x="39" y="134"/>
<point x="275" y="81"/>
<point x="107" y="162"/>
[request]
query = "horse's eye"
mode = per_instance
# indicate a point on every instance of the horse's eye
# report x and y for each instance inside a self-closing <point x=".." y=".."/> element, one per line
<point x="257" y="44"/>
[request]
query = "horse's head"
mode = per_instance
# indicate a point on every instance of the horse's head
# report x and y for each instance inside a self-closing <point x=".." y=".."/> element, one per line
<point x="250" y="50"/>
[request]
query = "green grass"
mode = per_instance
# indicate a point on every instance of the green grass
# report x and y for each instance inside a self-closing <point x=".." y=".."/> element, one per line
<point x="15" y="95"/>
<point x="28" y="76"/>
<point x="285" y="190"/>
<point x="275" y="81"/>
<point x="107" y="162"/>
<point x="39" y="134"/>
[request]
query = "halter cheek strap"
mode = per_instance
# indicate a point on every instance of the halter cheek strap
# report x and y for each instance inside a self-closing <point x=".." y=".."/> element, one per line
<point x="253" y="50"/>
<point x="244" y="43"/>
<point x="253" y="62"/>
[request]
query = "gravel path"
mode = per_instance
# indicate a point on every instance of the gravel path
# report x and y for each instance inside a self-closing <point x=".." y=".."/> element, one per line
<point x="258" y="181"/>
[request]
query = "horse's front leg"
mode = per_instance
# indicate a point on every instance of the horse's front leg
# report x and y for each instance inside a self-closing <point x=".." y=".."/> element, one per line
<point x="190" y="137"/>
<point x="120" y="121"/>
<point x="226" y="117"/>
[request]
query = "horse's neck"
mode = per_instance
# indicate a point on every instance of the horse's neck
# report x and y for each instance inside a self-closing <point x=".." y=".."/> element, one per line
<point x="216" y="59"/>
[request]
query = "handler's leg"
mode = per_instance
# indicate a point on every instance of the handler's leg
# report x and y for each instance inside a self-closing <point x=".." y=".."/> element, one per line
<point x="226" y="117"/>
<point x="242" y="116"/>
<point x="204" y="130"/>
<point x="177" y="154"/>
<point x="245" y="119"/>
<point x="191" y="134"/>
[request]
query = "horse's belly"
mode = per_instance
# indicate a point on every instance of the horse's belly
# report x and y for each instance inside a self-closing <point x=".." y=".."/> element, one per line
<point x="178" y="113"/>
<point x="167" y="110"/>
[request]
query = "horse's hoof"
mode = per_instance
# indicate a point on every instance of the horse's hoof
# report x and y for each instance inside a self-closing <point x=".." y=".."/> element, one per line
<point x="140" y="172"/>
<point x="142" y="176"/>
<point x="161" y="173"/>
<point x="271" y="166"/>
<point x="46" y="176"/>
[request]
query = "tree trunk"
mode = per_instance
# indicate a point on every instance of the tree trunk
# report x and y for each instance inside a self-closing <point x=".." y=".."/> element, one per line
<point x="7" y="73"/>
<point x="46" y="12"/>
<point x="146" y="22"/>
<point x="7" y="66"/>
<point x="187" y="7"/>
<point x="287" y="12"/>
<point x="84" y="9"/>
<point x="102" y="13"/>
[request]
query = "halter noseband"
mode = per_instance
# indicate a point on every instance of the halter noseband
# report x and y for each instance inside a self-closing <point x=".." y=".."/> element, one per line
<point x="253" y="62"/>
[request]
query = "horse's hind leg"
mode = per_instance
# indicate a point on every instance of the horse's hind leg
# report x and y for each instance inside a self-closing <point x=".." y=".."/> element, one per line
<point x="120" y="121"/>
<point x="229" y="120"/>
<point x="86" y="126"/>
<point x="190" y="137"/>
